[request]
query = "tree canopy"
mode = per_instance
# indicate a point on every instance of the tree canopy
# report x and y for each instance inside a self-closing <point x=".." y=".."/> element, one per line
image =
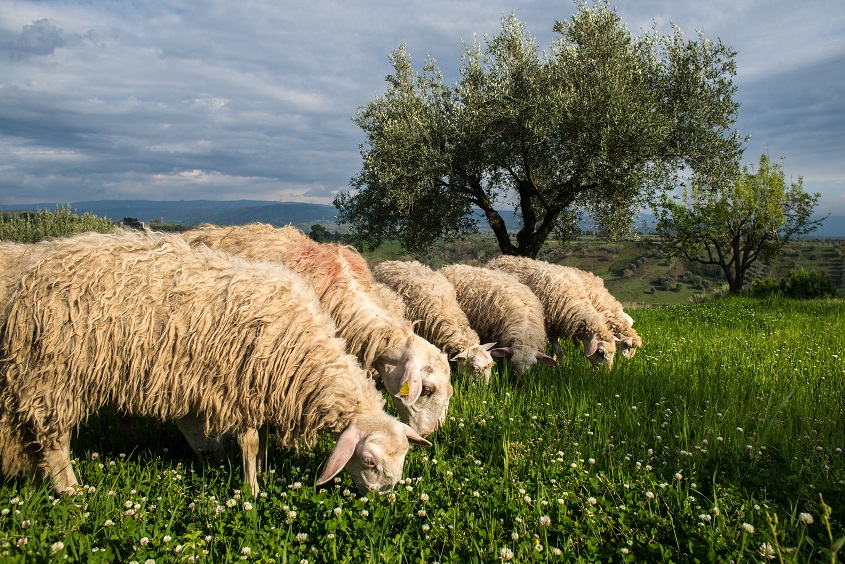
<point x="733" y="224"/>
<point x="593" y="125"/>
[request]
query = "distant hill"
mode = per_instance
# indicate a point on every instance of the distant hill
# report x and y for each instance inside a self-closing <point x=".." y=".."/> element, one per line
<point x="193" y="212"/>
<point x="303" y="215"/>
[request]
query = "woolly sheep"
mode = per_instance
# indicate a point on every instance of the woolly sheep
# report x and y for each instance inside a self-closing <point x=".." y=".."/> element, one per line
<point x="163" y="330"/>
<point x="430" y="302"/>
<point x="619" y="322"/>
<point x="501" y="310"/>
<point x="414" y="372"/>
<point x="567" y="309"/>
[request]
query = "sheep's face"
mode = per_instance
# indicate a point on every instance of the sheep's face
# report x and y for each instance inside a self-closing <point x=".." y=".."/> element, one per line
<point x="626" y="348"/>
<point x="603" y="357"/>
<point x="476" y="363"/>
<point x="373" y="451"/>
<point x="419" y="383"/>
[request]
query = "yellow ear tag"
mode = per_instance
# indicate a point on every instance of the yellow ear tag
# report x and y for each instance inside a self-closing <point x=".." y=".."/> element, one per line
<point x="405" y="390"/>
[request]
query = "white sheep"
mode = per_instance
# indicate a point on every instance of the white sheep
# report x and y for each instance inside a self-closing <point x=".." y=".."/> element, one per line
<point x="415" y="373"/>
<point x="431" y="304"/>
<point x="567" y="309"/>
<point x="502" y="310"/>
<point x="619" y="322"/>
<point x="166" y="331"/>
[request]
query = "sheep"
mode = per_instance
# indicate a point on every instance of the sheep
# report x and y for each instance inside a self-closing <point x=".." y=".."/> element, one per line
<point x="502" y="310"/>
<point x="619" y="322"/>
<point x="431" y="303"/>
<point x="567" y="309"/>
<point x="415" y="373"/>
<point x="144" y="321"/>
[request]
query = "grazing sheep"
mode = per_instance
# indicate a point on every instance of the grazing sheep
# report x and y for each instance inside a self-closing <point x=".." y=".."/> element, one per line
<point x="430" y="302"/>
<point x="619" y="322"/>
<point x="162" y="330"/>
<point x="501" y="310"/>
<point x="567" y="309"/>
<point x="414" y="372"/>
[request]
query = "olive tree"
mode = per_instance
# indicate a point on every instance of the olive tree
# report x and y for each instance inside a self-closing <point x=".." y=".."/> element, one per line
<point x="732" y="224"/>
<point x="594" y="125"/>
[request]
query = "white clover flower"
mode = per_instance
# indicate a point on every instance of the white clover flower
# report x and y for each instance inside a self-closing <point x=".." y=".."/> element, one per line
<point x="505" y="555"/>
<point x="337" y="511"/>
<point x="805" y="518"/>
<point x="207" y="538"/>
<point x="247" y="506"/>
<point x="177" y="549"/>
<point x="748" y="528"/>
<point x="57" y="546"/>
<point x="246" y="551"/>
<point x="150" y="561"/>
<point x="365" y="513"/>
<point x="545" y="520"/>
<point x="144" y="541"/>
<point x="527" y="499"/>
<point x="108" y="523"/>
<point x="592" y="500"/>
<point x="423" y="497"/>
<point x="556" y="551"/>
<point x="167" y="538"/>
<point x="301" y="537"/>
<point x="624" y="550"/>
<point x="649" y="495"/>
<point x="515" y="536"/>
<point x="766" y="551"/>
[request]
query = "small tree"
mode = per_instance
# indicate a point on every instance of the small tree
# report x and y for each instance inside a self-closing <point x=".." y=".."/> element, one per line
<point x="734" y="224"/>
<point x="589" y="126"/>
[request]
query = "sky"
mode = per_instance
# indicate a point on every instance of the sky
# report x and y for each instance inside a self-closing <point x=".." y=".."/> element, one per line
<point x="254" y="99"/>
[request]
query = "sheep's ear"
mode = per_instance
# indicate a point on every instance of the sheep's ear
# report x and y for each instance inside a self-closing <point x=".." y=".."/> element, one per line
<point x="415" y="437"/>
<point x="618" y="337"/>
<point x="545" y="359"/>
<point x="343" y="451"/>
<point x="460" y="355"/>
<point x="488" y="346"/>
<point x="502" y="351"/>
<point x="592" y="346"/>
<point x="411" y="386"/>
<point x="628" y="318"/>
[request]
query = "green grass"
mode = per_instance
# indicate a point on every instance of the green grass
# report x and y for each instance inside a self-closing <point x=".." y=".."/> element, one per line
<point x="721" y="440"/>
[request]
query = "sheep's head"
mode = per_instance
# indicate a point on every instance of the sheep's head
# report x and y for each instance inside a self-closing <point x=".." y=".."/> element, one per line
<point x="372" y="449"/>
<point x="523" y="357"/>
<point x="599" y="352"/>
<point x="476" y="362"/>
<point x="628" y="342"/>
<point x="417" y="377"/>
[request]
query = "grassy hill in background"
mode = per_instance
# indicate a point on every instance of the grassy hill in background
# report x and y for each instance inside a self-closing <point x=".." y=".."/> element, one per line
<point x="638" y="273"/>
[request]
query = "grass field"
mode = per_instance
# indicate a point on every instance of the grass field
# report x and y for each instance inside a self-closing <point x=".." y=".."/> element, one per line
<point x="720" y="441"/>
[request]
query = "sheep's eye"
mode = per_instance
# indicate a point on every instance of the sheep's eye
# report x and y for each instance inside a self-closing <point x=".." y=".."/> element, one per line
<point x="368" y="461"/>
<point x="427" y="390"/>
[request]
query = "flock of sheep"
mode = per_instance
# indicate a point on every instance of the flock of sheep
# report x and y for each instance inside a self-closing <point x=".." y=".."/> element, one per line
<point x="230" y="330"/>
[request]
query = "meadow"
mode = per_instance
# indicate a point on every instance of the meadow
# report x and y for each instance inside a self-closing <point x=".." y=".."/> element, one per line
<point x="721" y="440"/>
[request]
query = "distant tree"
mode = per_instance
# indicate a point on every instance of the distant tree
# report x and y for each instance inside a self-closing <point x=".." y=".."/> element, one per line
<point x="320" y="234"/>
<point x="132" y="222"/>
<point x="593" y="125"/>
<point x="735" y="223"/>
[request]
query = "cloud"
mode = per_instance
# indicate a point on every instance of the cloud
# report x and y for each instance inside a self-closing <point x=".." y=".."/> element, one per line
<point x="120" y="99"/>
<point x="36" y="39"/>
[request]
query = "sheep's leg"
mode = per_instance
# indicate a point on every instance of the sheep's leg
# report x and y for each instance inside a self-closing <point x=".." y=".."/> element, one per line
<point x="193" y="428"/>
<point x="250" y="443"/>
<point x="262" y="448"/>
<point x="556" y="348"/>
<point x="57" y="462"/>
